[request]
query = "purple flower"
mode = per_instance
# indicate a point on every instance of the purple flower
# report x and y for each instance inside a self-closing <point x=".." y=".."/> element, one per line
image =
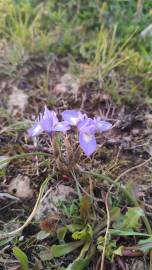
<point x="73" y="116"/>
<point x="87" y="138"/>
<point x="48" y="122"/>
<point x="102" y="126"/>
<point x="36" y="129"/>
<point x="86" y="125"/>
<point x="88" y="143"/>
<point x="87" y="129"/>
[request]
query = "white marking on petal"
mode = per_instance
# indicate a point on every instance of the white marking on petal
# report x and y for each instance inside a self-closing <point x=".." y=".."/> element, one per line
<point x="74" y="120"/>
<point x="87" y="137"/>
<point x="37" y="130"/>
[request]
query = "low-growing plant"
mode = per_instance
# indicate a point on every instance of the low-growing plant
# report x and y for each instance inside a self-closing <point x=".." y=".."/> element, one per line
<point x="86" y="129"/>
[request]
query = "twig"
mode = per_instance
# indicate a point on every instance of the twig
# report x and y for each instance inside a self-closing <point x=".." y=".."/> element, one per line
<point x="9" y="196"/>
<point x="107" y="229"/>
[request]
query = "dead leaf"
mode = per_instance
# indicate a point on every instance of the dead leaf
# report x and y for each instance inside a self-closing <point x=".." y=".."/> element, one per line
<point x="148" y="117"/>
<point x="50" y="224"/>
<point x="49" y="206"/>
<point x="20" y="187"/>
<point x="17" y="267"/>
<point x="17" y="101"/>
<point x="85" y="207"/>
<point x="11" y="225"/>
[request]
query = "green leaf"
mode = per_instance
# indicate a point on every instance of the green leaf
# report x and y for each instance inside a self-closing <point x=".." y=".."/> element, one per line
<point x="114" y="213"/>
<point x="74" y="227"/>
<point x="110" y="246"/>
<point x="126" y="233"/>
<point x="145" y="245"/>
<point x="22" y="258"/>
<point x="119" y="251"/>
<point x="61" y="232"/>
<point x="145" y="241"/>
<point x="81" y="263"/>
<point x="61" y="250"/>
<point x="5" y="241"/>
<point x="131" y="218"/>
<point x="85" y="234"/>
<point x="78" y="265"/>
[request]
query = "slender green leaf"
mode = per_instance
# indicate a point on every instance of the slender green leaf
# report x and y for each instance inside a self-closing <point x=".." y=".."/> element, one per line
<point x="126" y="233"/>
<point x="145" y="245"/>
<point x="145" y="248"/>
<point x="145" y="241"/>
<point x="5" y="241"/>
<point x="22" y="258"/>
<point x="61" y="250"/>
<point x="78" y="265"/>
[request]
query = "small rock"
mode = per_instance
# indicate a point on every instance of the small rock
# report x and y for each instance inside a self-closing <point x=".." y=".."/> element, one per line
<point x="147" y="32"/>
<point x="20" y="187"/>
<point x="148" y="117"/>
<point x="68" y="84"/>
<point x="3" y="165"/>
<point x="17" y="101"/>
<point x="135" y="131"/>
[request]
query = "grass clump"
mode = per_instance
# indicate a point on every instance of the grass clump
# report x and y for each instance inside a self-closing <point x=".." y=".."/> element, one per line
<point x="83" y="30"/>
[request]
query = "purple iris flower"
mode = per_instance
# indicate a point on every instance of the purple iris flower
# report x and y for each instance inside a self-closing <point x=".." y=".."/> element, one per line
<point x="102" y="126"/>
<point x="87" y="129"/>
<point x="73" y="116"/>
<point x="87" y="138"/>
<point x="36" y="129"/>
<point x="48" y="122"/>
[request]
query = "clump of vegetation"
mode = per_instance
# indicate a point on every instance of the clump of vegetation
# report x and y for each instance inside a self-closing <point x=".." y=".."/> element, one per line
<point x="83" y="30"/>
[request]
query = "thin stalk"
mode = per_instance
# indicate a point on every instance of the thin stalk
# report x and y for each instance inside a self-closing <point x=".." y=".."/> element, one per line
<point x="23" y="156"/>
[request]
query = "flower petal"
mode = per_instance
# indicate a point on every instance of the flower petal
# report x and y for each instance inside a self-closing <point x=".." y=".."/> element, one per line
<point x="35" y="130"/>
<point x="86" y="126"/>
<point x="47" y="125"/>
<point x="87" y="143"/>
<point x="103" y="126"/>
<point x="50" y="115"/>
<point x="72" y="116"/>
<point x="61" y="126"/>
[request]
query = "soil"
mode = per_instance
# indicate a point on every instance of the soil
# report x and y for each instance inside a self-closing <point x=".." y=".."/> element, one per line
<point x="126" y="145"/>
